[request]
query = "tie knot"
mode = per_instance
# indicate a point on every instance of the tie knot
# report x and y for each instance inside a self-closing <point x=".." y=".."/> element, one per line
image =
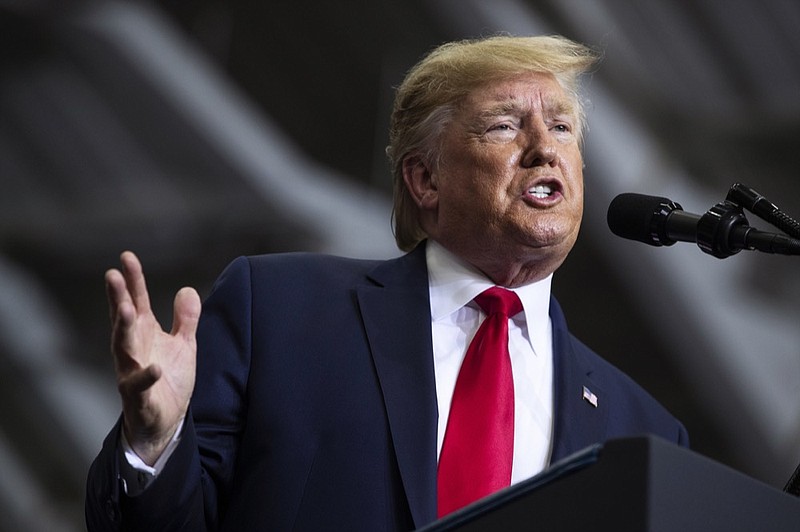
<point x="498" y="300"/>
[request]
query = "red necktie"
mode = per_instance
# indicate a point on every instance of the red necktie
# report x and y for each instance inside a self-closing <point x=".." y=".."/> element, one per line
<point x="478" y="446"/>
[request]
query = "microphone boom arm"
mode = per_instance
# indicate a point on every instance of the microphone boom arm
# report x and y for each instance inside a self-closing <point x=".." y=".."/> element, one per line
<point x="756" y="203"/>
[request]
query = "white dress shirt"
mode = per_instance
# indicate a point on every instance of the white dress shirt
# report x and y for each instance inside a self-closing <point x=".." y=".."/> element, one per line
<point x="455" y="319"/>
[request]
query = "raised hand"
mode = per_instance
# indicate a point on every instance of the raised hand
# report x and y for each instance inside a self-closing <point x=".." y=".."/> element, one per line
<point x="155" y="369"/>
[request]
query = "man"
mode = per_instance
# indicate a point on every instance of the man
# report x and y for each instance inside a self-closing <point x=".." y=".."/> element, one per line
<point x="327" y="390"/>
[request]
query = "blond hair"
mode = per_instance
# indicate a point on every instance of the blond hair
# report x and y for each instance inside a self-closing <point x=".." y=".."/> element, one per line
<point x="429" y="95"/>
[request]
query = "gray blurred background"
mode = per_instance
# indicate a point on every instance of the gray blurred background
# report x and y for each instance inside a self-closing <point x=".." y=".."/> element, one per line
<point x="196" y="131"/>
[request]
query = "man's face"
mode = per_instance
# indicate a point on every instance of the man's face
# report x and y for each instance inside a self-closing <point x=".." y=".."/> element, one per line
<point x="509" y="185"/>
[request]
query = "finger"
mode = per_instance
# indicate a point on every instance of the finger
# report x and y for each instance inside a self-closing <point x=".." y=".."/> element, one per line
<point x="134" y="384"/>
<point x="123" y="338"/>
<point x="123" y="316"/>
<point x="186" y="313"/>
<point x="126" y="344"/>
<point x="134" y="280"/>
<point x="116" y="292"/>
<point x="124" y="321"/>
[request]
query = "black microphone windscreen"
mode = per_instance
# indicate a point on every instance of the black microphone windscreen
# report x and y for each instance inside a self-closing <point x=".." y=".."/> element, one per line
<point x="632" y="215"/>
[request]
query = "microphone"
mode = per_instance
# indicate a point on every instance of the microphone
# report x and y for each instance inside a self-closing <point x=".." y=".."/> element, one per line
<point x="722" y="231"/>
<point x="651" y="220"/>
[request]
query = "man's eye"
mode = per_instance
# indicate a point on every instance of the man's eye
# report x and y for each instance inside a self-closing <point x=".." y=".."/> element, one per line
<point x="562" y="128"/>
<point x="501" y="132"/>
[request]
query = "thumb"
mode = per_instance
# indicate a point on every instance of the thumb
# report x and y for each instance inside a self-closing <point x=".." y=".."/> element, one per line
<point x="186" y="313"/>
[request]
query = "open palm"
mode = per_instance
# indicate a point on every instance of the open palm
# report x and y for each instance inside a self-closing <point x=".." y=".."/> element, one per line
<point x="155" y="368"/>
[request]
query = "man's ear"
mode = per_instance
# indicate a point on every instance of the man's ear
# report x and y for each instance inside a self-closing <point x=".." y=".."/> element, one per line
<point x="420" y="182"/>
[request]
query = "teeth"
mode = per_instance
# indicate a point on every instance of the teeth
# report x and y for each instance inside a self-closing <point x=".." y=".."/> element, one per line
<point x="540" y="191"/>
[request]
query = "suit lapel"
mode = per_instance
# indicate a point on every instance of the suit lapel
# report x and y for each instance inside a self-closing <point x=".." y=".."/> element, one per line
<point x="396" y="314"/>
<point x="581" y="414"/>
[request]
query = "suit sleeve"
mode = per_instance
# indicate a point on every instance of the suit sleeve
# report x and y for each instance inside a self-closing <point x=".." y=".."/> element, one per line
<point x="191" y="492"/>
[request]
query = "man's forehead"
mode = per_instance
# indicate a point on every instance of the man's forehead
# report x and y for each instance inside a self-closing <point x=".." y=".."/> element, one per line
<point x="518" y="94"/>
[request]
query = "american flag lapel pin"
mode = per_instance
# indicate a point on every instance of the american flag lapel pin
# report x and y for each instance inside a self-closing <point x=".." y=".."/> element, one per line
<point x="589" y="397"/>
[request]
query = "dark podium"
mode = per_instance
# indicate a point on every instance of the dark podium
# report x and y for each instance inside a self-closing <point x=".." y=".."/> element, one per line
<point x="632" y="484"/>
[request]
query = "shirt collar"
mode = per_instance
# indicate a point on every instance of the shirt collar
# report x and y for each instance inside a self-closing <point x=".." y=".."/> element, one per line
<point x="454" y="283"/>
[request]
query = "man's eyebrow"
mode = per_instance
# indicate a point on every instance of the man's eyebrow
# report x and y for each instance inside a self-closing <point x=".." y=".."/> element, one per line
<point x="560" y="107"/>
<point x="501" y="108"/>
<point x="552" y="107"/>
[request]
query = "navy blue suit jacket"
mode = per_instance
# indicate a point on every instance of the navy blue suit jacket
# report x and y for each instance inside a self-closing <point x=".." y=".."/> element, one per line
<point x="315" y="405"/>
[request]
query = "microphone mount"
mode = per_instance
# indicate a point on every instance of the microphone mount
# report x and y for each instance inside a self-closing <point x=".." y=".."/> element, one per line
<point x="722" y="230"/>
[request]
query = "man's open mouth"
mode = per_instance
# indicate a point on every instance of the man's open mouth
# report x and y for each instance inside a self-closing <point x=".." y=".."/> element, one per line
<point x="541" y="191"/>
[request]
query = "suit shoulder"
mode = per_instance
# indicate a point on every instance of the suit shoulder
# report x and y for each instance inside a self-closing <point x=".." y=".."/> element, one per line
<point x="304" y="259"/>
<point x="635" y="409"/>
<point x="305" y="265"/>
<point x="585" y="357"/>
<point x="296" y="265"/>
<point x="603" y="370"/>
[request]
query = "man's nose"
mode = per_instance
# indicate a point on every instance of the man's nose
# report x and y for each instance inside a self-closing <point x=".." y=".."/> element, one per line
<point x="540" y="149"/>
